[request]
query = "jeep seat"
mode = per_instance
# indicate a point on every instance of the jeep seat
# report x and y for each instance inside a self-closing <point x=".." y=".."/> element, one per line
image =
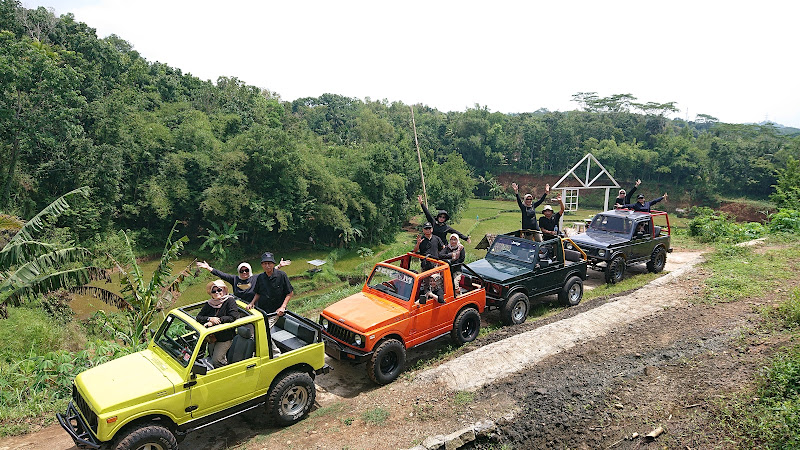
<point x="290" y="334"/>
<point x="243" y="346"/>
<point x="657" y="230"/>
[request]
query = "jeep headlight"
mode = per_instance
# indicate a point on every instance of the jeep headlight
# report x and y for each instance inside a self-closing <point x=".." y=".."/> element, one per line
<point x="601" y="252"/>
<point x="324" y="322"/>
<point x="358" y="340"/>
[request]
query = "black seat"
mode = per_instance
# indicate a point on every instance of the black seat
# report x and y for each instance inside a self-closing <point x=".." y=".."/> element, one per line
<point x="243" y="345"/>
<point x="290" y="334"/>
<point x="657" y="230"/>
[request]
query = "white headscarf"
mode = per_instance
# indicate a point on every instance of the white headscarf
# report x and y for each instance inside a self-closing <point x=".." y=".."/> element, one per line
<point x="457" y="249"/>
<point x="244" y="264"/>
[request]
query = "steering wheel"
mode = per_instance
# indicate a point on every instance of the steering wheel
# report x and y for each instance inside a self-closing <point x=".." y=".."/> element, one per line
<point x="389" y="285"/>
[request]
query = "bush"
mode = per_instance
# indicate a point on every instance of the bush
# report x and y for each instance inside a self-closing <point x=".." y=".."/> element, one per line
<point x="785" y="221"/>
<point x="713" y="226"/>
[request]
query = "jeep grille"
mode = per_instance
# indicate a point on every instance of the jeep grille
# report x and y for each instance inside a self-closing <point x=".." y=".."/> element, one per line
<point x="87" y="412"/>
<point x="343" y="334"/>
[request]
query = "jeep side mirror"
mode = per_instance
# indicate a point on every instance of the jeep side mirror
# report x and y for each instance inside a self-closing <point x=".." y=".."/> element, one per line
<point x="199" y="368"/>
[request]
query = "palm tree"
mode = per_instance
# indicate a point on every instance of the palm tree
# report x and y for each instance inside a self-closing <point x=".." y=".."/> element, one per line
<point x="29" y="267"/>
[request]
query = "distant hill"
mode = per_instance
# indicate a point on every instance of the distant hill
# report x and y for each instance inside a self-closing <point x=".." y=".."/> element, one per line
<point x="782" y="129"/>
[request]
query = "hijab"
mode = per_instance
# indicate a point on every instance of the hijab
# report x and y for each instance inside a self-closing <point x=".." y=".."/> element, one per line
<point x="457" y="249"/>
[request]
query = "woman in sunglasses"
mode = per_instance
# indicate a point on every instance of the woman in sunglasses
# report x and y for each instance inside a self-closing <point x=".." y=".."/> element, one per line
<point x="220" y="308"/>
<point x="244" y="283"/>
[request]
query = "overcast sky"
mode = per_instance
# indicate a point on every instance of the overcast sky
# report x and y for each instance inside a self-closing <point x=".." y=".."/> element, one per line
<point x="734" y="60"/>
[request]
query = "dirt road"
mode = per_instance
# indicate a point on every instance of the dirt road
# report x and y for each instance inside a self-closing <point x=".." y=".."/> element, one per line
<point x="586" y="377"/>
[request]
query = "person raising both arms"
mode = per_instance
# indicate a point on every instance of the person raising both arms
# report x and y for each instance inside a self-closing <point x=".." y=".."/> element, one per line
<point x="440" y="226"/>
<point x="642" y="205"/>
<point x="528" y="207"/>
<point x="623" y="198"/>
<point x="548" y="223"/>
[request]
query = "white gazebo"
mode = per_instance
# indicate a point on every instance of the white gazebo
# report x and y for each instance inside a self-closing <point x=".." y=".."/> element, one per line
<point x="593" y="179"/>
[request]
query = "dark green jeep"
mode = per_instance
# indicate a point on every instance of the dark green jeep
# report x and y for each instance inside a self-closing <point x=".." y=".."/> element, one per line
<point x="517" y="269"/>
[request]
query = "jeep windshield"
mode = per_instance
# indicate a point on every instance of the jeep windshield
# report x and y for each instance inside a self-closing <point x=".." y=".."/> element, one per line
<point x="611" y="224"/>
<point x="391" y="281"/>
<point x="517" y="250"/>
<point x="178" y="339"/>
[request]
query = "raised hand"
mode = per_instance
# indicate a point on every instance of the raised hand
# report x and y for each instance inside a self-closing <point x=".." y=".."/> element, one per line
<point x="638" y="182"/>
<point x="515" y="188"/>
<point x="547" y="188"/>
<point x="419" y="198"/>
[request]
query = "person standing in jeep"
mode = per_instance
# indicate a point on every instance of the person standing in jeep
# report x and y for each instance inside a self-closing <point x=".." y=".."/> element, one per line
<point x="528" y="207"/>
<point x="643" y="206"/>
<point x="440" y="226"/>
<point x="428" y="245"/>
<point x="548" y="223"/>
<point x="624" y="198"/>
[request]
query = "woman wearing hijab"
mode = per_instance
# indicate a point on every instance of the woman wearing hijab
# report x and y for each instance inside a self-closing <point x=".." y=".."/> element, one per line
<point x="453" y="253"/>
<point x="220" y="308"/>
<point x="440" y="226"/>
<point x="244" y="283"/>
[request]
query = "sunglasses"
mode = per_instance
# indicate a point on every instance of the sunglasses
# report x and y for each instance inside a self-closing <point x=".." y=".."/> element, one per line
<point x="244" y="270"/>
<point x="216" y="290"/>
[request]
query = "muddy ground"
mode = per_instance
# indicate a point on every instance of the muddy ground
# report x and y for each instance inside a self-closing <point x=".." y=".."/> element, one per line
<point x="667" y="370"/>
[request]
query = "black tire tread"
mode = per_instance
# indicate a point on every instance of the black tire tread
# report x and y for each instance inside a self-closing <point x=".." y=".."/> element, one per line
<point x="139" y="435"/>
<point x="373" y="363"/>
<point x="465" y="314"/>
<point x="276" y="392"/>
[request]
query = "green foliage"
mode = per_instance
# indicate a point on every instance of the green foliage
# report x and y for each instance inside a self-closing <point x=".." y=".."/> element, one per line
<point x="788" y="311"/>
<point x="785" y="221"/>
<point x="787" y="189"/>
<point x="220" y="237"/>
<point x="712" y="226"/>
<point x="375" y="416"/>
<point x="771" y="417"/>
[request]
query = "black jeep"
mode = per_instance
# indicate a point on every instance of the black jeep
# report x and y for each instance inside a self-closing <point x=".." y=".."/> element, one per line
<point x="517" y="269"/>
<point x="620" y="238"/>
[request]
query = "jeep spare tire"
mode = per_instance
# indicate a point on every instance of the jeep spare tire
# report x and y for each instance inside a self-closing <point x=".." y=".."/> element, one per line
<point x="291" y="398"/>
<point x="387" y="362"/>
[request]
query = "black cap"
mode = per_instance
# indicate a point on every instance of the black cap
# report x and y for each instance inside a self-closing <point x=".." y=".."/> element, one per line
<point x="267" y="257"/>
<point x="427" y="225"/>
<point x="639" y="196"/>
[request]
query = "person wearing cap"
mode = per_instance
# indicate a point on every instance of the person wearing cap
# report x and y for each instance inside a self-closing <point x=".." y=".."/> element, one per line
<point x="220" y="308"/>
<point x="440" y="226"/>
<point x="642" y="205"/>
<point x="528" y="207"/>
<point x="623" y="198"/>
<point x="273" y="289"/>
<point x="428" y="245"/>
<point x="548" y="223"/>
<point x="244" y="283"/>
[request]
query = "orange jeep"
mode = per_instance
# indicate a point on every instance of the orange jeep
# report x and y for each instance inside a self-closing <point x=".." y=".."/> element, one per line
<point x="399" y="308"/>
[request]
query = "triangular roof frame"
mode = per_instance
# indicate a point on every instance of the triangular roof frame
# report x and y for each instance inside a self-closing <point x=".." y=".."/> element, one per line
<point x="586" y="183"/>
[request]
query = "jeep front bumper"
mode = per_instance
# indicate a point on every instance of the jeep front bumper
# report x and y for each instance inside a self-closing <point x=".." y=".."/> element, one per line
<point x="72" y="422"/>
<point x="341" y="352"/>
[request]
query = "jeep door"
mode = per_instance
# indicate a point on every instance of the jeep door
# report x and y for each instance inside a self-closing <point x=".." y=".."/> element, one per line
<point x="641" y="240"/>
<point x="225" y="386"/>
<point x="546" y="274"/>
<point x="429" y="318"/>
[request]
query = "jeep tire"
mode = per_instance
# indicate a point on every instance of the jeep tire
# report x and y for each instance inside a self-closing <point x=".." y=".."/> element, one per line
<point x="572" y="292"/>
<point x="515" y="310"/>
<point x="387" y="362"/>
<point x="658" y="259"/>
<point x="615" y="270"/>
<point x="466" y="326"/>
<point x="147" y="437"/>
<point x="291" y="398"/>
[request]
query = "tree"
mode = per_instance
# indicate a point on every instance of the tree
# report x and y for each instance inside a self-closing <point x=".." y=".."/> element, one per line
<point x="787" y="189"/>
<point x="29" y="267"/>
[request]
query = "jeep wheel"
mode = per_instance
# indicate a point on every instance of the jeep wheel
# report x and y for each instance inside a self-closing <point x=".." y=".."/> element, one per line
<point x="466" y="326"/>
<point x="615" y="270"/>
<point x="515" y="310"/>
<point x="572" y="292"/>
<point x="291" y="398"/>
<point x="147" y="437"/>
<point x="387" y="362"/>
<point x="658" y="259"/>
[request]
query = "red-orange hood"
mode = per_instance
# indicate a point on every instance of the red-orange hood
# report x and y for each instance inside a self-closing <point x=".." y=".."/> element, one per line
<point x="364" y="312"/>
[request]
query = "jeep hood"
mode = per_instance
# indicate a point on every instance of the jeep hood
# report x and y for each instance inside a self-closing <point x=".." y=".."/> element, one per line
<point x="498" y="270"/>
<point x="364" y="312"/>
<point x="126" y="381"/>
<point x="599" y="239"/>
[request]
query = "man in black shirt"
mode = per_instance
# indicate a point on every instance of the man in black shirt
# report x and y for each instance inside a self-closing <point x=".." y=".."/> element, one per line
<point x="642" y="205"/>
<point x="548" y="223"/>
<point x="428" y="245"/>
<point x="272" y="292"/>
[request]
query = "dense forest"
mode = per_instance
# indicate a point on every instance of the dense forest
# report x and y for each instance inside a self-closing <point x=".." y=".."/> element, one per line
<point x="155" y="145"/>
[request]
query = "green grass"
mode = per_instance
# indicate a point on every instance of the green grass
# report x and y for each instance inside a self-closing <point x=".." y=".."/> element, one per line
<point x="741" y="272"/>
<point x="375" y="416"/>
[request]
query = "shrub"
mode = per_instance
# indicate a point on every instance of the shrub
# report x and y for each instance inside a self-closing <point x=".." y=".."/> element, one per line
<point x="785" y="221"/>
<point x="713" y="226"/>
